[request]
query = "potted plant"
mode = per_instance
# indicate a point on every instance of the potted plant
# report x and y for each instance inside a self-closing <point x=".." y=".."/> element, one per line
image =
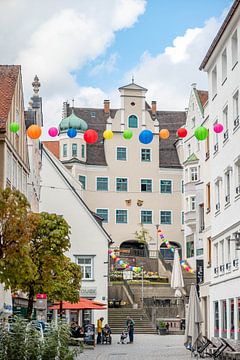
<point x="162" y="328"/>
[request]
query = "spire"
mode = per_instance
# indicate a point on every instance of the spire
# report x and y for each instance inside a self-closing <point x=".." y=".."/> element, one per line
<point x="36" y="85"/>
<point x="132" y="79"/>
<point x="72" y="105"/>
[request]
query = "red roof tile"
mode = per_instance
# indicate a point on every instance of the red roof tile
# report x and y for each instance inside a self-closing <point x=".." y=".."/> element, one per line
<point x="8" y="78"/>
<point x="53" y="147"/>
<point x="203" y="96"/>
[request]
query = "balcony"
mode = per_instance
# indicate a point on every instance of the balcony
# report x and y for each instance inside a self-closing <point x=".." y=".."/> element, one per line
<point x="190" y="219"/>
<point x="225" y="136"/>
<point x="236" y="123"/>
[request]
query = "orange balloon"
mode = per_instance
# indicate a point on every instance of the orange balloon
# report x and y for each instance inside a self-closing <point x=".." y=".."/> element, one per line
<point x="34" y="131"/>
<point x="164" y="134"/>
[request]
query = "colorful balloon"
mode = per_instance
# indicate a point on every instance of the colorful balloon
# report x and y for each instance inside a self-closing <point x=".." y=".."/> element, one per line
<point x="145" y="136"/>
<point x="127" y="134"/>
<point x="34" y="132"/>
<point x="72" y="133"/>
<point x="164" y="134"/>
<point x="218" y="128"/>
<point x="108" y="134"/>
<point x="14" y="127"/>
<point x="182" y="132"/>
<point x="90" y="136"/>
<point x="53" y="131"/>
<point x="201" y="133"/>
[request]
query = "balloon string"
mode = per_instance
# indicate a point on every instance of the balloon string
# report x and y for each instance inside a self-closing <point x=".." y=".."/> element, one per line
<point x="172" y="249"/>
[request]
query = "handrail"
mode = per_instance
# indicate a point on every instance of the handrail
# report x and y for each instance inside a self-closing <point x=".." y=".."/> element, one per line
<point x="129" y="290"/>
<point x="167" y="265"/>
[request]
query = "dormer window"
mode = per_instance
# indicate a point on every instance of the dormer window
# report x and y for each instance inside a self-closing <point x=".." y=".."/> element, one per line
<point x="133" y="121"/>
<point x="93" y="114"/>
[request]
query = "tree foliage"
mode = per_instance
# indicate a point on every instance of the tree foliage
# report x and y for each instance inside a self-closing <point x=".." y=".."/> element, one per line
<point x="142" y="235"/>
<point x="15" y="234"/>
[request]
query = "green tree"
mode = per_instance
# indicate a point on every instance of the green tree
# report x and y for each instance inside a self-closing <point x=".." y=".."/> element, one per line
<point x="49" y="242"/>
<point x="142" y="235"/>
<point x="15" y="234"/>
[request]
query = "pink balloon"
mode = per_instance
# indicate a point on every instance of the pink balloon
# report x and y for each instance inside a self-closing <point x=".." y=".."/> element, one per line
<point x="218" y="128"/>
<point x="53" y="131"/>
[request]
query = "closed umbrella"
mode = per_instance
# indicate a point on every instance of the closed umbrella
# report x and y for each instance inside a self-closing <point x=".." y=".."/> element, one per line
<point x="177" y="277"/>
<point x="5" y="302"/>
<point x="193" y="320"/>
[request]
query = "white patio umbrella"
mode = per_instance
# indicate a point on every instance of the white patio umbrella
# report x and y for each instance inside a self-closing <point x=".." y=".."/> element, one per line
<point x="193" y="319"/>
<point x="5" y="302"/>
<point x="177" y="277"/>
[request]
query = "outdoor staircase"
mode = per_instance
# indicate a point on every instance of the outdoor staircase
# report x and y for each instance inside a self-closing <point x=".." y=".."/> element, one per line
<point x="117" y="320"/>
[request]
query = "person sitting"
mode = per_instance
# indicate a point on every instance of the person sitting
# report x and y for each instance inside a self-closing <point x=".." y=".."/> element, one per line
<point x="123" y="337"/>
<point x="106" y="334"/>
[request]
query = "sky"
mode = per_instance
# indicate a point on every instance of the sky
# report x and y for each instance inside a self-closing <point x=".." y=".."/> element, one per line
<point x="85" y="49"/>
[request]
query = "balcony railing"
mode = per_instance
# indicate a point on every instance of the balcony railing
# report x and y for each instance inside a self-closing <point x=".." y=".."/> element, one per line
<point x="236" y="123"/>
<point x="222" y="269"/>
<point x="216" y="271"/>
<point x="235" y="263"/>
<point x="228" y="267"/>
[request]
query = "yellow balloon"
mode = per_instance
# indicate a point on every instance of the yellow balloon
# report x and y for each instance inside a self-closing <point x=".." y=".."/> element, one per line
<point x="108" y="134"/>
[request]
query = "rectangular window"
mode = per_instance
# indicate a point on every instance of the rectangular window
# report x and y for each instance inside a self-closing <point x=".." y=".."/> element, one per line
<point x="227" y="187"/>
<point x="217" y="195"/>
<point x="83" y="150"/>
<point x="19" y="178"/>
<point x="189" y="149"/>
<point x="234" y="49"/>
<point x="208" y="187"/>
<point x="121" y="153"/>
<point x="166" y="217"/>
<point x="86" y="264"/>
<point x="216" y="319"/>
<point x="103" y="213"/>
<point x="216" y="255"/>
<point x="224" y="318"/>
<point x="190" y="249"/>
<point x="64" y="150"/>
<point x="235" y="110"/>
<point x="121" y="217"/>
<point x="82" y="180"/>
<point x="133" y="121"/>
<point x="146" y="217"/>
<point x="225" y="123"/>
<point x="214" y="82"/>
<point x="192" y="203"/>
<point x="201" y="217"/>
<point x="207" y="146"/>
<point x="182" y="187"/>
<point x="14" y="181"/>
<point x="224" y="65"/>
<point x="182" y="218"/>
<point x="93" y="114"/>
<point x="24" y="185"/>
<point x="146" y="185"/>
<point x="74" y="149"/>
<point x="209" y="250"/>
<point x="102" y="184"/>
<point x="9" y="166"/>
<point x="146" y="155"/>
<point x="166" y="186"/>
<point x="237" y="176"/>
<point x="215" y="145"/>
<point x="121" y="184"/>
<point x="194" y="173"/>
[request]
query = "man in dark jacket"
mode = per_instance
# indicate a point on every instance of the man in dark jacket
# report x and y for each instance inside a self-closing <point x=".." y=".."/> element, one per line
<point x="130" y="325"/>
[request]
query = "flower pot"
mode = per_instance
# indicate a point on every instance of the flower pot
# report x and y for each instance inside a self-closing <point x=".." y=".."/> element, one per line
<point x="163" y="331"/>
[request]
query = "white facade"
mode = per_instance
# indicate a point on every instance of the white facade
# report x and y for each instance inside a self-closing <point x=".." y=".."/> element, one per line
<point x="61" y="194"/>
<point x="222" y="67"/>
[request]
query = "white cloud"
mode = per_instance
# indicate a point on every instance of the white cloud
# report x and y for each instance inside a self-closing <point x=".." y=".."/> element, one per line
<point x="168" y="75"/>
<point x="105" y="66"/>
<point x="55" y="39"/>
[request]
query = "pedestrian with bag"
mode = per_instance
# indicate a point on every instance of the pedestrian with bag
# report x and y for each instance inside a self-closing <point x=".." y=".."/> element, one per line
<point x="130" y="326"/>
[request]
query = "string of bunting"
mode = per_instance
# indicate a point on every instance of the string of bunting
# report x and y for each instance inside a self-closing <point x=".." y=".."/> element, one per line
<point x="123" y="264"/>
<point x="171" y="248"/>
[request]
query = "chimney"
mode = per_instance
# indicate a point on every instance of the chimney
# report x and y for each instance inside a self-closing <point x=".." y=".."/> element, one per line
<point x="106" y="107"/>
<point x="154" y="107"/>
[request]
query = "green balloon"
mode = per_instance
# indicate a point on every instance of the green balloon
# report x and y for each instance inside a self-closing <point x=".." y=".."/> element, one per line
<point x="201" y="133"/>
<point x="127" y="134"/>
<point x="14" y="127"/>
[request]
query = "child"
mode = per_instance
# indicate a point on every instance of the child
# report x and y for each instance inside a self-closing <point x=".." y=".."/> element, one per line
<point x="123" y="337"/>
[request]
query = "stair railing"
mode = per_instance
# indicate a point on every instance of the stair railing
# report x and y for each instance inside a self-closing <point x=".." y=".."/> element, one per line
<point x="167" y="265"/>
<point x="129" y="290"/>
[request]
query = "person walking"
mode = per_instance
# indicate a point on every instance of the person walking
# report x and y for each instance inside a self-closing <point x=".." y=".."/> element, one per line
<point x="130" y="325"/>
<point x="99" y="330"/>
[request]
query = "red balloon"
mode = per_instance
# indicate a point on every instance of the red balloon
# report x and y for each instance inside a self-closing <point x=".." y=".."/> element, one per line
<point x="182" y="132"/>
<point x="90" y="136"/>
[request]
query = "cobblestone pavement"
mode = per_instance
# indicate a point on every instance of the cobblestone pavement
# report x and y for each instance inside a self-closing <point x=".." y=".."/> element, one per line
<point x="145" y="347"/>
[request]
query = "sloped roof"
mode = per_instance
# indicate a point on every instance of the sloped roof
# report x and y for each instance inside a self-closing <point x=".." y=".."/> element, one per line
<point x="192" y="158"/>
<point x="8" y="79"/>
<point x="53" y="146"/>
<point x="220" y="33"/>
<point x="203" y="96"/>
<point x="132" y="86"/>
<point x="73" y="184"/>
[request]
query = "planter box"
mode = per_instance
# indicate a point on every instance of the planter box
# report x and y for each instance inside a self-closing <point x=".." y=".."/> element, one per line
<point x="163" y="331"/>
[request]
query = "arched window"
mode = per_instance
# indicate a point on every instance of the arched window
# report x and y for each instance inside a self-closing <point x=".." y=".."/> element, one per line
<point x="133" y="121"/>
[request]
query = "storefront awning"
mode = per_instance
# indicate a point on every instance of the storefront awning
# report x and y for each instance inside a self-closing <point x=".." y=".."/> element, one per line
<point x="82" y="304"/>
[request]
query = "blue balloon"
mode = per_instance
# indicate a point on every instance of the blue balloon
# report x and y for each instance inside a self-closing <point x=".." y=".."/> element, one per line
<point x="145" y="136"/>
<point x="72" y="132"/>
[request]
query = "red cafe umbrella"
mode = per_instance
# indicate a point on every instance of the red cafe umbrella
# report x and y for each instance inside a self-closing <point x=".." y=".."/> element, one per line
<point x="82" y="304"/>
